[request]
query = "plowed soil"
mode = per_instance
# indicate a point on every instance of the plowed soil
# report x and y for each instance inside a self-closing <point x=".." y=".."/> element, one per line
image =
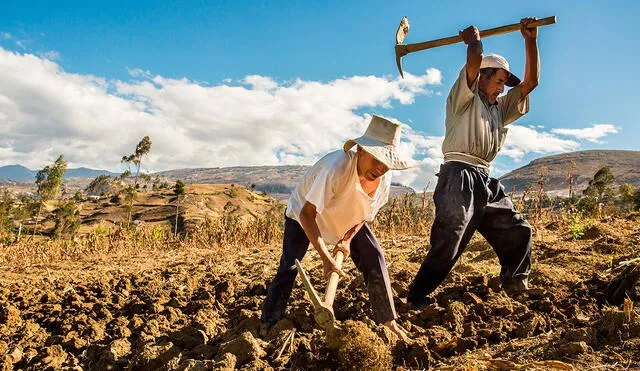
<point x="199" y="309"/>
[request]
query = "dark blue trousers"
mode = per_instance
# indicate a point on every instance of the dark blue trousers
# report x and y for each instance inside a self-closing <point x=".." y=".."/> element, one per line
<point x="366" y="254"/>
<point x="468" y="200"/>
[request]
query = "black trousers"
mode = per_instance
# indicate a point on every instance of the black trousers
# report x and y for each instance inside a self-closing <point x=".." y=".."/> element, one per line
<point x="366" y="254"/>
<point x="466" y="200"/>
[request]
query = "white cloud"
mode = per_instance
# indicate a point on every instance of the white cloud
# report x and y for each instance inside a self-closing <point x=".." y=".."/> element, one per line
<point x="522" y="140"/>
<point x="137" y="72"/>
<point x="258" y="82"/>
<point x="46" y="111"/>
<point x="592" y="134"/>
<point x="427" y="150"/>
<point x="51" y="55"/>
<point x="5" y="36"/>
<point x="427" y="154"/>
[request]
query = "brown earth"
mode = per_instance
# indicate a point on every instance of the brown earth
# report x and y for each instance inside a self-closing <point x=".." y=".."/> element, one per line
<point x="198" y="309"/>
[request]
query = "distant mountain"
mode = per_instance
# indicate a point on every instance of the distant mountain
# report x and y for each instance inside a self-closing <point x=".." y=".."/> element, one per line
<point x="21" y="173"/>
<point x="273" y="176"/>
<point x="277" y="181"/>
<point x="625" y="166"/>
<point x="83" y="172"/>
<point x="16" y="172"/>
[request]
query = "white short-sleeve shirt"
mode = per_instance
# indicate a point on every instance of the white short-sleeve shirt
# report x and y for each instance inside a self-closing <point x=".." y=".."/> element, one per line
<point x="333" y="187"/>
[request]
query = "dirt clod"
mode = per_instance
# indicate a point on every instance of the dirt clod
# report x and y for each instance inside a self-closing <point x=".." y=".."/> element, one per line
<point x="359" y="348"/>
<point x="244" y="347"/>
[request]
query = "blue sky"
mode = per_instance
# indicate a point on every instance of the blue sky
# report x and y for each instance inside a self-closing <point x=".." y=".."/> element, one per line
<point x="223" y="83"/>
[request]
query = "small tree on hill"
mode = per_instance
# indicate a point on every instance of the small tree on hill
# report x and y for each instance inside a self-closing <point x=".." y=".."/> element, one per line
<point x="142" y="149"/>
<point x="178" y="189"/>
<point x="599" y="192"/>
<point x="7" y="203"/>
<point x="571" y="177"/>
<point x="25" y="208"/>
<point x="627" y="196"/>
<point x="99" y="186"/>
<point x="48" y="181"/>
<point x="67" y="220"/>
<point x="601" y="186"/>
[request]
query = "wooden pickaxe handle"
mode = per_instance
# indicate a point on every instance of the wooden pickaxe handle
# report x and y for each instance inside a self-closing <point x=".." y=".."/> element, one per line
<point x="330" y="293"/>
<point x="410" y="48"/>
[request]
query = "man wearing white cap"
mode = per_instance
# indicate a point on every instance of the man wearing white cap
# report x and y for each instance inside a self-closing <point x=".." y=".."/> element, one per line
<point x="332" y="204"/>
<point x="466" y="198"/>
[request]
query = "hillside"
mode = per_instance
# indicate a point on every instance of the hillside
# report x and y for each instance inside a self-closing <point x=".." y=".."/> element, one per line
<point x="625" y="166"/>
<point x="279" y="181"/>
<point x="276" y="181"/>
<point x="159" y="207"/>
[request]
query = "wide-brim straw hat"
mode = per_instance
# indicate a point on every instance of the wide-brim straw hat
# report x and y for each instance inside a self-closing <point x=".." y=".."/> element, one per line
<point x="498" y="61"/>
<point x="381" y="140"/>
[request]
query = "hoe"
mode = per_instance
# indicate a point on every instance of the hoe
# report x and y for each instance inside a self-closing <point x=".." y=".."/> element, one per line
<point x="323" y="309"/>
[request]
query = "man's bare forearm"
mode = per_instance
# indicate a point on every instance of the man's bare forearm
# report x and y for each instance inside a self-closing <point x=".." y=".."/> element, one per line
<point x="474" y="54"/>
<point x="311" y="229"/>
<point x="532" y="64"/>
<point x="471" y="37"/>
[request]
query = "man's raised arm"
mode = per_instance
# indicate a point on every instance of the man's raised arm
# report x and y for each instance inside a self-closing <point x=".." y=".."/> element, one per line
<point x="532" y="64"/>
<point x="471" y="37"/>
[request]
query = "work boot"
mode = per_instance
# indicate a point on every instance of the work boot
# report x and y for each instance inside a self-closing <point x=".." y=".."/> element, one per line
<point x="413" y="304"/>
<point x="515" y="285"/>
<point x="265" y="326"/>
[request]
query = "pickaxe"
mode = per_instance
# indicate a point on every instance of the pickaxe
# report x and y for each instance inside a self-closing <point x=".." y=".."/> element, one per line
<point x="404" y="49"/>
<point x="323" y="309"/>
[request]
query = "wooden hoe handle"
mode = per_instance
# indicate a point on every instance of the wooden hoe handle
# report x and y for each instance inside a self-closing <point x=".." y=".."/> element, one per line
<point x="330" y="293"/>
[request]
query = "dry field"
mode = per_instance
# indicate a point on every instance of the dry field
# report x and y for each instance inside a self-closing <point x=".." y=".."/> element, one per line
<point x="142" y="300"/>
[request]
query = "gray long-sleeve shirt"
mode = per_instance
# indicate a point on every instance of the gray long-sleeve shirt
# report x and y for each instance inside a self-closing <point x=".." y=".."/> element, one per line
<point x="475" y="129"/>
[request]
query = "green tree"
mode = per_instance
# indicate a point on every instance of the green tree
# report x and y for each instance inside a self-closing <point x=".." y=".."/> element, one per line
<point x="601" y="186"/>
<point x="142" y="149"/>
<point x="7" y="204"/>
<point x="67" y="220"/>
<point x="99" y="186"/>
<point x="129" y="196"/>
<point x="48" y="181"/>
<point x="627" y="196"/>
<point x="178" y="190"/>
<point x="25" y="208"/>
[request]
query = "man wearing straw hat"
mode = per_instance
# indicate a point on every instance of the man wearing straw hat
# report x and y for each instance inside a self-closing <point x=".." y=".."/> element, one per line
<point x="466" y="198"/>
<point x="332" y="205"/>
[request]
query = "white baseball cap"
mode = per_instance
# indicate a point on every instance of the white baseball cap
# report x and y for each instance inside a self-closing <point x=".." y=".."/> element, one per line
<point x="498" y="61"/>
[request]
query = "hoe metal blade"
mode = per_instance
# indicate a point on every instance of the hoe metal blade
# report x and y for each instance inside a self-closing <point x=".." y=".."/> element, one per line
<point x="323" y="313"/>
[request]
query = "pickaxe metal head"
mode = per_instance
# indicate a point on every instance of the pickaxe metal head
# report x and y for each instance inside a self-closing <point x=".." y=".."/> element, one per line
<point x="401" y="49"/>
